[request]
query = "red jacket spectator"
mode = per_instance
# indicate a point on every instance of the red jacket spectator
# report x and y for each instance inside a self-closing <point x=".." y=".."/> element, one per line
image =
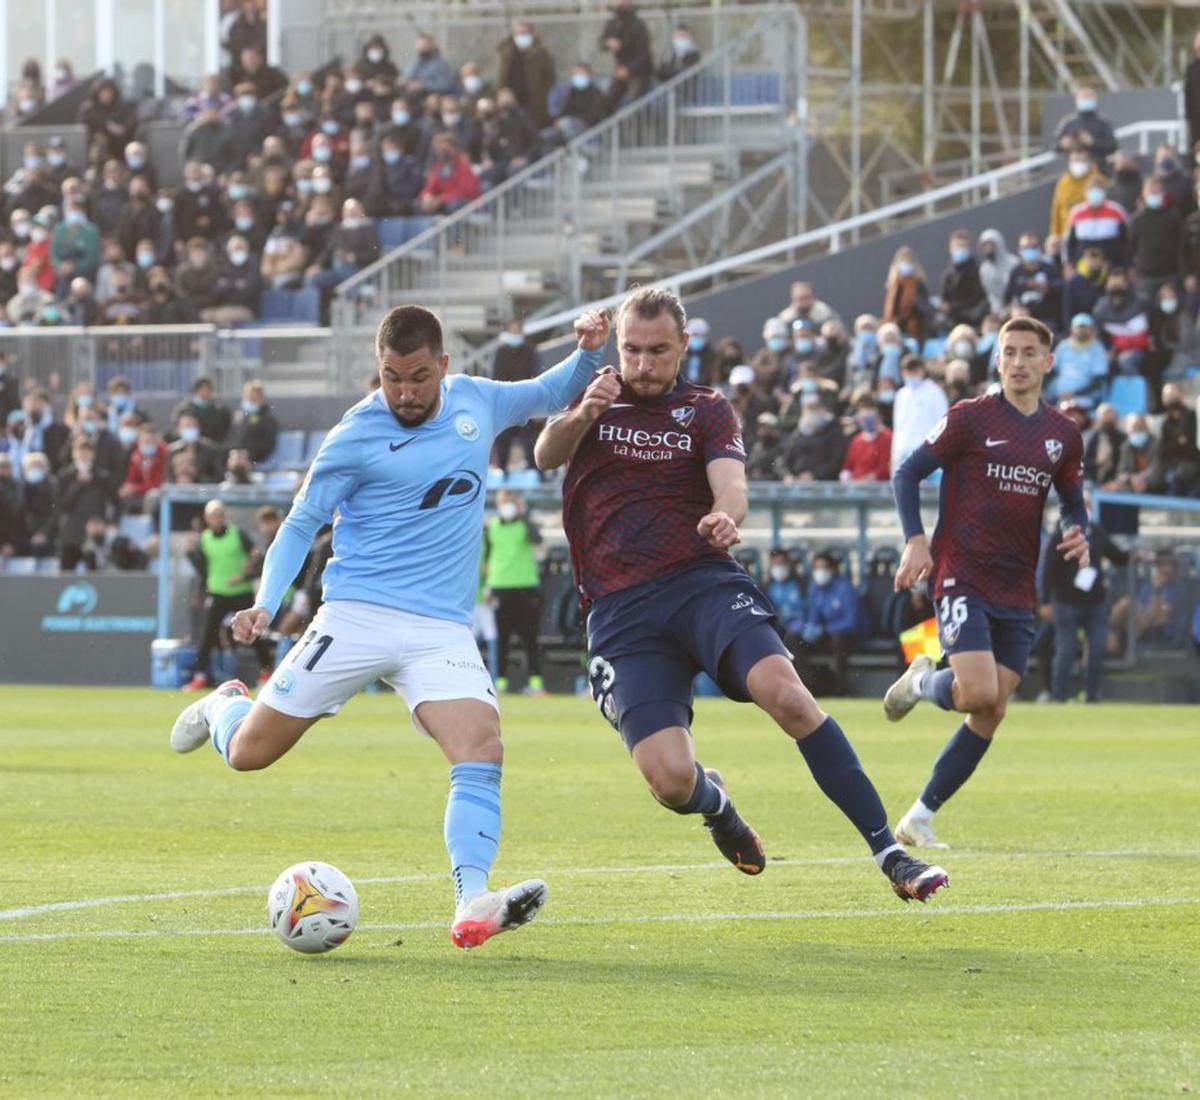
<point x="1104" y="226"/>
<point x="37" y="261"/>
<point x="869" y="458"/>
<point x="450" y="181"/>
<point x="145" y="472"/>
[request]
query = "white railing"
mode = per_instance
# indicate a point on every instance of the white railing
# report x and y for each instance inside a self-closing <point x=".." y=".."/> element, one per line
<point x="832" y="238"/>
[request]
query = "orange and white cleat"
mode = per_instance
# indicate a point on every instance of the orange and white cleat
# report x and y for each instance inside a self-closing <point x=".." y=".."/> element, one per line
<point x="191" y="727"/>
<point x="488" y="914"/>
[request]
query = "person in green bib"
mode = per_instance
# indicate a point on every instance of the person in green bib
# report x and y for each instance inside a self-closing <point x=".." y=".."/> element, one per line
<point x="224" y="558"/>
<point x="515" y="584"/>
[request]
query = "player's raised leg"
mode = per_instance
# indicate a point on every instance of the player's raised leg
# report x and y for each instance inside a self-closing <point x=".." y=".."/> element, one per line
<point x="468" y="732"/>
<point x="773" y="684"/>
<point x="982" y="688"/>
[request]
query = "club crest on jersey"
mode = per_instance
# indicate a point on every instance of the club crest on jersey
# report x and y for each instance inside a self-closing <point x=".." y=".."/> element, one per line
<point x="950" y="632"/>
<point x="1054" y="449"/>
<point x="467" y="428"/>
<point x="684" y="416"/>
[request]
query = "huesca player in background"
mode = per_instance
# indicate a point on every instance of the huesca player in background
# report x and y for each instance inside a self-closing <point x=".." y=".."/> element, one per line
<point x="404" y="471"/>
<point x="655" y="490"/>
<point x="999" y="456"/>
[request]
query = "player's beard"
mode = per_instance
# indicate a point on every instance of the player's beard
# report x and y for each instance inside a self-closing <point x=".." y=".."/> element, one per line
<point x="415" y="420"/>
<point x="650" y="389"/>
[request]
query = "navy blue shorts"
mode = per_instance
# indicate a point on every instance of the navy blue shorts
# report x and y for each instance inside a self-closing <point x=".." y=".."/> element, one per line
<point x="646" y="644"/>
<point x="967" y="624"/>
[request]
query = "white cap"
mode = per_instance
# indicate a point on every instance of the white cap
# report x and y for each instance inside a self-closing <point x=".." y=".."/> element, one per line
<point x="741" y="376"/>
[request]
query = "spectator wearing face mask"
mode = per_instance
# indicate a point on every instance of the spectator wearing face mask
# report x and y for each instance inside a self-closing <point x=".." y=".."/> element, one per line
<point x="749" y="399"/>
<point x="429" y="70"/>
<point x="528" y="69"/>
<point x="509" y="138"/>
<point x="514" y="583"/>
<point x="83" y="493"/>
<point x="198" y="208"/>
<point x="699" y="361"/>
<point x="205" y="454"/>
<point x="196" y="277"/>
<point x="36" y="429"/>
<point x="1154" y="236"/>
<point x="830" y="621"/>
<point x="352" y="245"/>
<point x="451" y="182"/>
<point x="1086" y="129"/>
<point x="804" y="305"/>
<point x="211" y="414"/>
<point x="25" y="307"/>
<point x="1177" y="444"/>
<point x="996" y="264"/>
<point x="1098" y="222"/>
<point x="164" y="306"/>
<point x="39" y="506"/>
<point x="375" y="59"/>
<point x="1035" y="284"/>
<point x="1080" y="365"/>
<point x="284" y="256"/>
<point x="963" y="344"/>
<point x="920" y="405"/>
<point x="146" y="471"/>
<point x="1123" y="320"/>
<point x="785" y="592"/>
<point x="139" y="221"/>
<point x="1085" y="287"/>
<point x="684" y="53"/>
<point x="58" y="166"/>
<point x="255" y="429"/>
<point x="578" y="110"/>
<point x="90" y="426"/>
<point x="766" y="459"/>
<point x="166" y="242"/>
<point x="238" y="290"/>
<point x="515" y="361"/>
<point x="37" y="260"/>
<point x="869" y="454"/>
<point x="1176" y="185"/>
<point x="957" y="381"/>
<point x="1072" y="188"/>
<point x="772" y="362"/>
<point x="807" y="347"/>
<point x="1139" y="465"/>
<point x="863" y="358"/>
<point x="74" y="248"/>
<point x="1170" y="333"/>
<point x="211" y="97"/>
<point x="818" y="446"/>
<point x="906" y="295"/>
<point x="891" y="351"/>
<point x="249" y="123"/>
<point x="964" y="300"/>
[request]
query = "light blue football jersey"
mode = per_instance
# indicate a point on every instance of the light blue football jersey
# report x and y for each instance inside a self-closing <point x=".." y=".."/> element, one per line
<point x="408" y="502"/>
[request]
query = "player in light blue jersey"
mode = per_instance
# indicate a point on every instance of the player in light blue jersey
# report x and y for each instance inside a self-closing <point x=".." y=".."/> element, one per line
<point x="403" y="477"/>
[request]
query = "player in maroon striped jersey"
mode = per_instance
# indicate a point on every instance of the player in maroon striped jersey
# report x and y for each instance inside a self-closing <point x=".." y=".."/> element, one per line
<point x="654" y="493"/>
<point x="999" y="456"/>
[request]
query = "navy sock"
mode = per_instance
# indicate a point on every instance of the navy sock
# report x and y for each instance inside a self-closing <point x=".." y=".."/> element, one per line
<point x="707" y="798"/>
<point x="938" y="688"/>
<point x="954" y="767"/>
<point x="835" y="767"/>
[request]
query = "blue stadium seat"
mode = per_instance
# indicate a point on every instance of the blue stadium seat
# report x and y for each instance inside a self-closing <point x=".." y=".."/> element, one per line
<point x="1129" y="394"/>
<point x="315" y="439"/>
<point x="292" y="307"/>
<point x="393" y="232"/>
<point x="136" y="528"/>
<point x="21" y="566"/>
<point x="288" y="453"/>
<point x="524" y="479"/>
<point x="745" y="90"/>
<point x="933" y="347"/>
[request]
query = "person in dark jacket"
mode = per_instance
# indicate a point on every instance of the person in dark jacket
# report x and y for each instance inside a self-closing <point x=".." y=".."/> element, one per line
<point x="527" y="69"/>
<point x="700" y="360"/>
<point x="12" y="522"/>
<point x="108" y="119"/>
<point x="205" y="454"/>
<point x="831" y="613"/>
<point x="1154" y="236"/>
<point x="1086" y="285"/>
<point x="196" y="277"/>
<point x="84" y="492"/>
<point x="817" y="449"/>
<point x="1191" y="93"/>
<point x="1177" y="444"/>
<point x="139" y="220"/>
<point x="255" y="428"/>
<point x="627" y="38"/>
<point x="1086" y="129"/>
<point x="238" y="292"/>
<point x="39" y="507"/>
<point x="109" y="457"/>
<point x="351" y="246"/>
<point x="267" y="79"/>
<point x="1075" y="600"/>
<point x="212" y="415"/>
<point x="683" y="55"/>
<point x="580" y="109"/>
<point x="1036" y="284"/>
<point x="399" y="178"/>
<point x="1123" y="319"/>
<point x="198" y="209"/>
<point x="963" y="298"/>
<point x="375" y="60"/>
<point x="208" y="140"/>
<point x="249" y="123"/>
<point x="515" y="361"/>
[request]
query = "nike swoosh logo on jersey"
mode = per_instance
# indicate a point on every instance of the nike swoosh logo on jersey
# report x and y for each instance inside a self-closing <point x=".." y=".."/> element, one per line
<point x="758" y="611"/>
<point x="396" y="446"/>
<point x="993" y="442"/>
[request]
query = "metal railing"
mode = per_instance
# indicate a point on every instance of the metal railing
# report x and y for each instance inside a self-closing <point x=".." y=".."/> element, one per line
<point x="524" y="240"/>
<point x="166" y="359"/>
<point x="833" y="238"/>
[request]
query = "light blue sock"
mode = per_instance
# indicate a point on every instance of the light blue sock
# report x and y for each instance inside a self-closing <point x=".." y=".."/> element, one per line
<point x="938" y="688"/>
<point x="224" y="717"/>
<point x="472" y="826"/>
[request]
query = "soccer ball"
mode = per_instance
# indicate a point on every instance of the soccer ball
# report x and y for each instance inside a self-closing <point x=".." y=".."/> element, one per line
<point x="312" y="907"/>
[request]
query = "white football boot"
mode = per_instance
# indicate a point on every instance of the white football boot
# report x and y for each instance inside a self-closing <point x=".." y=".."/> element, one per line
<point x="901" y="697"/>
<point x="191" y="727"/>
<point x="488" y="914"/>
<point x="917" y="832"/>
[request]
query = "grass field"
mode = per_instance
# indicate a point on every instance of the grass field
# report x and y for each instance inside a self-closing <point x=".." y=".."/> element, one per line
<point x="1064" y="960"/>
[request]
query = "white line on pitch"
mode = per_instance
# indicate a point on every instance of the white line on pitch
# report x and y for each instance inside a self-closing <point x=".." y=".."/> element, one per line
<point x="661" y="918"/>
<point x="626" y="869"/>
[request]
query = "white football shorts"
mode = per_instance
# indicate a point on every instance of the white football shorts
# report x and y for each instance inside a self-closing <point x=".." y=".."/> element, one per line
<point x="351" y="644"/>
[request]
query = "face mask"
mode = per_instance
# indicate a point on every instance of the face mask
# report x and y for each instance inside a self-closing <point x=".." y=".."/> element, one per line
<point x="960" y="255"/>
<point x="507" y="511"/>
<point x="127" y="436"/>
<point x="329" y="126"/>
<point x="891" y="354"/>
<point x="145" y="259"/>
<point x="75" y="217"/>
<point x="33" y="162"/>
<point x="1031" y="254"/>
<point x="292" y="119"/>
<point x="400" y="118"/>
<point x="822" y="576"/>
<point x="323" y="154"/>
<point x="1117" y="293"/>
<point x="472" y="84"/>
<point x="780" y="572"/>
<point x="35" y="476"/>
<point x="375" y="55"/>
<point x="197" y="259"/>
<point x="913" y="379"/>
<point x="512" y="339"/>
<point x="238" y="191"/>
<point x="1081" y="337"/>
<point x="21" y="229"/>
<point x="83" y="467"/>
<point x="304" y="186"/>
<point x="580" y="81"/>
<point x="189" y="434"/>
<point x="244" y="223"/>
<point x="682" y="45"/>
<point x="1169" y="305"/>
<point x="122" y="402"/>
<point x="1139" y="439"/>
<point x="867" y="340"/>
<point x="523" y="41"/>
<point x="1154" y="201"/>
<point x="8" y="263"/>
<point x="451" y="119"/>
<point x="803" y="346"/>
<point x="778" y="343"/>
<point x="354" y="86"/>
<point x="964" y="349"/>
<point x="391" y="156"/>
<point x="1078" y="168"/>
<point x="195" y="185"/>
<point x="322" y="185"/>
<point x="91" y="427"/>
<point x="904" y="268"/>
<point x="247" y="103"/>
<point x="135" y="160"/>
<point x="363" y="160"/>
<point x="249" y="407"/>
<point x="697" y="343"/>
<point x="84" y="401"/>
<point x="1085" y="105"/>
<point x="57" y="160"/>
<point x="201" y="402"/>
<point x="237" y="257"/>
<point x="38" y="234"/>
<point x="868" y="422"/>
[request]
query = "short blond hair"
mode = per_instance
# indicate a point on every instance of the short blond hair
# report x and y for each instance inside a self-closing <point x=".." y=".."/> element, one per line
<point x="648" y="302"/>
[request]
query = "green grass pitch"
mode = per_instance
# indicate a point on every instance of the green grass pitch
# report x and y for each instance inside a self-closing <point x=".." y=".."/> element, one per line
<point x="1064" y="960"/>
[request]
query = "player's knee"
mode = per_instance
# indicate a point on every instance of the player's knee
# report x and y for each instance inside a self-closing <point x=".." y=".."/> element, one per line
<point x="795" y="710"/>
<point x="245" y="755"/>
<point x="670" y="782"/>
<point x="482" y="742"/>
<point x="975" y="698"/>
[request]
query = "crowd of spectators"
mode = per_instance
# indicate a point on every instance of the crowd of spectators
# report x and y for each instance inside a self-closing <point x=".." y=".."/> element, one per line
<point x="285" y="176"/>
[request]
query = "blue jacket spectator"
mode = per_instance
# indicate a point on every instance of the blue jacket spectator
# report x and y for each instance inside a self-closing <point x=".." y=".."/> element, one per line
<point x="832" y="602"/>
<point x="430" y="71"/>
<point x="784" y="591"/>
<point x="1081" y="364"/>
